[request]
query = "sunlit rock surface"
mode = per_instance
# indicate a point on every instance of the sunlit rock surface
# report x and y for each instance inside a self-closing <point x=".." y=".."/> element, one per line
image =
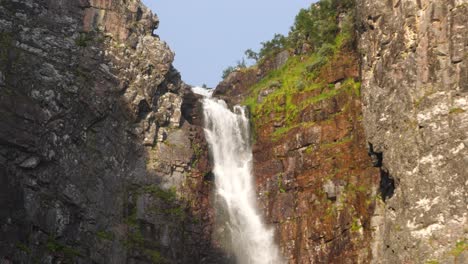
<point x="415" y="102"/>
<point x="315" y="180"/>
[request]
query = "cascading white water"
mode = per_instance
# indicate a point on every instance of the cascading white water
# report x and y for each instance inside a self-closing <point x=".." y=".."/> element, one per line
<point x="227" y="134"/>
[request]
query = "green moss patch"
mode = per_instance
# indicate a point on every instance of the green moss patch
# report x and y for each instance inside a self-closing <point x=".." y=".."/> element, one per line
<point x="58" y="248"/>
<point x="296" y="79"/>
<point x="460" y="247"/>
<point x="456" y="111"/>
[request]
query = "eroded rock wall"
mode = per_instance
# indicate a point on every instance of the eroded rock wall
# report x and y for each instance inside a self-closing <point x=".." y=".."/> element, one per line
<point x="415" y="100"/>
<point x="102" y="159"/>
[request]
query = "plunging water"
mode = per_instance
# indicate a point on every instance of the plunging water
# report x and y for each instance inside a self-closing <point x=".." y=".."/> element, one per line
<point x="227" y="134"/>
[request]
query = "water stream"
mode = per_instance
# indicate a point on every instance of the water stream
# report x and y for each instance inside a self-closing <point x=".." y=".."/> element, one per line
<point x="228" y="136"/>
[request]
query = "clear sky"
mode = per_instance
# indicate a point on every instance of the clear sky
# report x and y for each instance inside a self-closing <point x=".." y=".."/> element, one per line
<point x="209" y="35"/>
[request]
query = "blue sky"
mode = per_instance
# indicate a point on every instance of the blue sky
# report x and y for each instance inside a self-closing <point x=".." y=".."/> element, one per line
<point x="209" y="35"/>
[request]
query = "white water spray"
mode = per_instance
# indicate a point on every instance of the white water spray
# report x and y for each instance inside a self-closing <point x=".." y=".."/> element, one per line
<point x="227" y="134"/>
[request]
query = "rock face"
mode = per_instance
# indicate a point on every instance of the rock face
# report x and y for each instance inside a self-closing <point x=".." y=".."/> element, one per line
<point x="316" y="183"/>
<point x="415" y="102"/>
<point x="235" y="87"/>
<point x="102" y="159"/>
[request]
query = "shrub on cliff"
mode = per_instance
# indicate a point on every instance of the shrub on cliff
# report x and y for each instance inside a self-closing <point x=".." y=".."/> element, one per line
<point x="251" y="55"/>
<point x="273" y="47"/>
<point x="316" y="26"/>
<point x="320" y="28"/>
<point x="240" y="65"/>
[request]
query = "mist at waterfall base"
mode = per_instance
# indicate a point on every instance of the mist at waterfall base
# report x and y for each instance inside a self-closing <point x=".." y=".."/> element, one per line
<point x="228" y="136"/>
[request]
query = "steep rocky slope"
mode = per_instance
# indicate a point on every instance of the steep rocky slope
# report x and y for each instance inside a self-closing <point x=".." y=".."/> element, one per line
<point x="102" y="159"/>
<point x="415" y="99"/>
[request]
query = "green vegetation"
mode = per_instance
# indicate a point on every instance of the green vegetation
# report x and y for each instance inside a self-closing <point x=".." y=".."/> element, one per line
<point x="316" y="27"/>
<point x="296" y="81"/>
<point x="23" y="248"/>
<point x="280" y="183"/>
<point x="336" y="143"/>
<point x="10" y="55"/>
<point x="166" y="195"/>
<point x="105" y="235"/>
<point x="197" y="152"/>
<point x="314" y="30"/>
<point x="240" y="65"/>
<point x="432" y="261"/>
<point x="139" y="241"/>
<point x="54" y="246"/>
<point x="456" y="111"/>
<point x="355" y="226"/>
<point x="135" y="240"/>
<point x="272" y="47"/>
<point x="251" y="55"/>
<point x="286" y="92"/>
<point x="6" y="41"/>
<point x="460" y="247"/>
<point x="155" y="256"/>
<point x="83" y="39"/>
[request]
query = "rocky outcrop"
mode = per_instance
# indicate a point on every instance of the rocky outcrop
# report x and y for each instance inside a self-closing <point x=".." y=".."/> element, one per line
<point x="101" y="156"/>
<point x="233" y="88"/>
<point x="415" y="100"/>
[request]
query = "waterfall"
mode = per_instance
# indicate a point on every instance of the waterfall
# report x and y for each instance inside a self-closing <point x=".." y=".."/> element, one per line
<point x="228" y="136"/>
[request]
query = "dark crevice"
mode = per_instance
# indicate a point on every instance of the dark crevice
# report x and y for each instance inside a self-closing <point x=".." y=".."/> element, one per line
<point x="387" y="183"/>
<point x="143" y="110"/>
<point x="209" y="176"/>
<point x="192" y="109"/>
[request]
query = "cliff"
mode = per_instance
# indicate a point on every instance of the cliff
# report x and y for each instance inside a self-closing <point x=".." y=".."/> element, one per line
<point x="102" y="159"/>
<point x="414" y="92"/>
<point x="360" y="132"/>
<point x="396" y="101"/>
<point x="316" y="183"/>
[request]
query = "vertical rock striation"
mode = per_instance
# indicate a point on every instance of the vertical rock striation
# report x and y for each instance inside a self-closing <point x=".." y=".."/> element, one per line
<point x="101" y="156"/>
<point x="415" y="103"/>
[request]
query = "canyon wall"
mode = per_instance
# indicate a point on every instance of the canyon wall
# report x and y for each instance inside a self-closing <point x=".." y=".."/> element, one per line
<point x="102" y="157"/>
<point x="317" y="185"/>
<point x="312" y="136"/>
<point x="415" y="99"/>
